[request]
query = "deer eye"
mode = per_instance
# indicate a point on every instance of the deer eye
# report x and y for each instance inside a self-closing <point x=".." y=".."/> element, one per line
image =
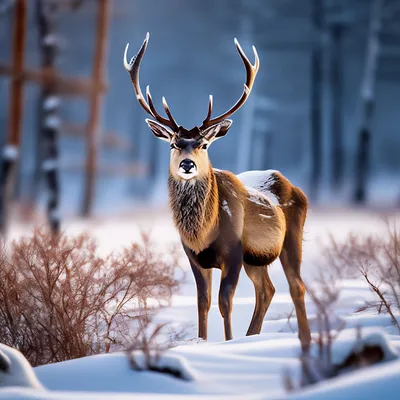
<point x="204" y="147"/>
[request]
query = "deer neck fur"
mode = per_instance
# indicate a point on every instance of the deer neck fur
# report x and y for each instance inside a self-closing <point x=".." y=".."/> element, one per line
<point x="194" y="205"/>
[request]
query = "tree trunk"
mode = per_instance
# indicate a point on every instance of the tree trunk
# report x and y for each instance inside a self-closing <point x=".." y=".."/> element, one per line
<point x="336" y="115"/>
<point x="316" y="101"/>
<point x="245" y="139"/>
<point x="49" y="120"/>
<point x="11" y="149"/>
<point x="95" y="107"/>
<point x="368" y="104"/>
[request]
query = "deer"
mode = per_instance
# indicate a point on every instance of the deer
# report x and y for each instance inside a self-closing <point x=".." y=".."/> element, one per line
<point x="229" y="221"/>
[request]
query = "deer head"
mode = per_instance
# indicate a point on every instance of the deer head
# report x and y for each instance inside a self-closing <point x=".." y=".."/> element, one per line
<point x="189" y="158"/>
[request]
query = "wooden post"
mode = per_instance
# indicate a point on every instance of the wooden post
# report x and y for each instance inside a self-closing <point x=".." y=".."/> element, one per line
<point x="316" y="100"/>
<point x="336" y="111"/>
<point x="11" y="149"/>
<point x="368" y="103"/>
<point x="95" y="107"/>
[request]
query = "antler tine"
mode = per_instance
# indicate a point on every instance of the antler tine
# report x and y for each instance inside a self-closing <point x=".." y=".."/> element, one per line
<point x="167" y="110"/>
<point x="251" y="70"/>
<point x="154" y="112"/>
<point x="168" y="122"/>
<point x="210" y="106"/>
<point x="251" y="73"/>
<point x="133" y="67"/>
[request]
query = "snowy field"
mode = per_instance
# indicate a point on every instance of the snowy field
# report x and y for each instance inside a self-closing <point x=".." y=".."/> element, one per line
<point x="247" y="367"/>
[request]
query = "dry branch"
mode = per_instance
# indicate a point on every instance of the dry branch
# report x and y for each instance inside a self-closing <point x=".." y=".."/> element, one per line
<point x="60" y="300"/>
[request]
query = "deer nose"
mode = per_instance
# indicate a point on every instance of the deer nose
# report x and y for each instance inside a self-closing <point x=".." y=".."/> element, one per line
<point x="187" y="165"/>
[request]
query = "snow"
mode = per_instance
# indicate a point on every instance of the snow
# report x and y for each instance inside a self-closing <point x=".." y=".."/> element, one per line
<point x="377" y="382"/>
<point x="246" y="367"/>
<point x="250" y="367"/>
<point x="10" y="152"/>
<point x="83" y="375"/>
<point x="260" y="180"/>
<point x="49" y="164"/>
<point x="226" y="208"/>
<point x="19" y="371"/>
<point x="52" y="122"/>
<point x="347" y="342"/>
<point x="257" y="197"/>
<point x="50" y="40"/>
<point x="51" y="103"/>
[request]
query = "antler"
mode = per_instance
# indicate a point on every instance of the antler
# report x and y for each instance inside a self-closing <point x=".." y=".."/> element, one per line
<point x="251" y="72"/>
<point x="133" y="68"/>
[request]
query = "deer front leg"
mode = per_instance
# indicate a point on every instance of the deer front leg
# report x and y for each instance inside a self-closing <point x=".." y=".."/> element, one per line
<point x="229" y="279"/>
<point x="203" y="279"/>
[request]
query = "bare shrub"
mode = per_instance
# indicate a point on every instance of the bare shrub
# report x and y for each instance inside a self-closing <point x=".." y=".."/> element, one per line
<point x="377" y="259"/>
<point x="318" y="364"/>
<point x="319" y="367"/>
<point x="60" y="300"/>
<point x="148" y="342"/>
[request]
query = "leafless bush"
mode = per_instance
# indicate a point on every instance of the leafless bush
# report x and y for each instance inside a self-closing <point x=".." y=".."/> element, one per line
<point x="60" y="300"/>
<point x="377" y="259"/>
<point x="317" y="364"/>
<point x="317" y="368"/>
<point x="147" y="341"/>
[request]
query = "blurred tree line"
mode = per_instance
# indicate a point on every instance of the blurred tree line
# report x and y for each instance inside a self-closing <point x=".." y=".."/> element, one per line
<point x="323" y="108"/>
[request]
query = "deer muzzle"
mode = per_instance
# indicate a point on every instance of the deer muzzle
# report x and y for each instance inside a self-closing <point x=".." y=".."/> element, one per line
<point x="187" y="169"/>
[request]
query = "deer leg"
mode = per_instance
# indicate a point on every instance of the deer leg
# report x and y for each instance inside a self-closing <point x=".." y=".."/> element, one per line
<point x="264" y="291"/>
<point x="203" y="279"/>
<point x="229" y="279"/>
<point x="291" y="265"/>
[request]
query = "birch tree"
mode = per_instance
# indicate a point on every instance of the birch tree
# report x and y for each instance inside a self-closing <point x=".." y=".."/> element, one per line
<point x="49" y="121"/>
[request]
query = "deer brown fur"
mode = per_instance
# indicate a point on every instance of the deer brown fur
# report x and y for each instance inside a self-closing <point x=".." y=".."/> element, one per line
<point x="223" y="223"/>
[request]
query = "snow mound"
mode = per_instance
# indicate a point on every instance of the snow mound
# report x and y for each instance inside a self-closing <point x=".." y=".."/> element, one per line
<point x="169" y="363"/>
<point x="377" y="382"/>
<point x="348" y="342"/>
<point x="87" y="374"/>
<point x="15" y="369"/>
<point x="32" y="394"/>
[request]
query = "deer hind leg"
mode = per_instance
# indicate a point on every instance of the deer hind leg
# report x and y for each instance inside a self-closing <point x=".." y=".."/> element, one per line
<point x="203" y="279"/>
<point x="291" y="261"/>
<point x="264" y="291"/>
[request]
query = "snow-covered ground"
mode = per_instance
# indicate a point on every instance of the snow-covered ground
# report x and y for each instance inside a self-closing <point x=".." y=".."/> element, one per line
<point x="247" y="367"/>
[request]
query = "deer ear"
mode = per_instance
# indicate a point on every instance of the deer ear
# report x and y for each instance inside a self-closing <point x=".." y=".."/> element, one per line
<point x="217" y="131"/>
<point x="160" y="131"/>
